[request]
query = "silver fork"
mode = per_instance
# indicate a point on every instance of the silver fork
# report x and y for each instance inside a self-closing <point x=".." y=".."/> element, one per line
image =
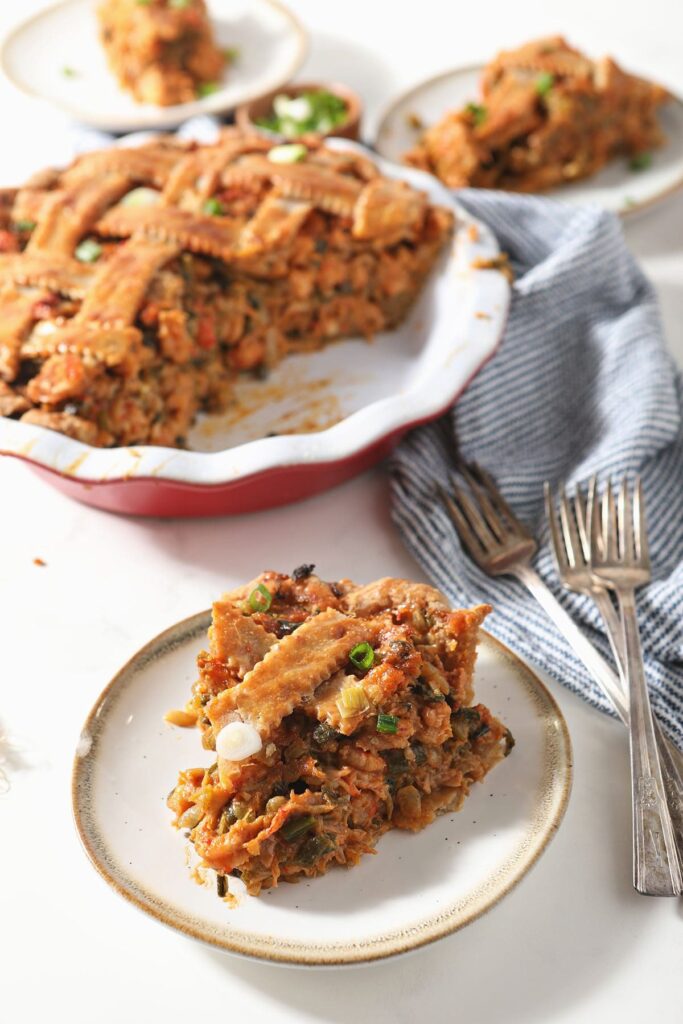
<point x="620" y="560"/>
<point x="570" y="540"/>
<point x="502" y="546"/>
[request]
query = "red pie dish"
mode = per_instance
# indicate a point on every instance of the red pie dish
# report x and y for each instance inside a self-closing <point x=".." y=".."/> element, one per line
<point x="335" y="399"/>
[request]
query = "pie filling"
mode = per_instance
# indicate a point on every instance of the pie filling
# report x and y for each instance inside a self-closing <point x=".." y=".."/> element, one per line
<point x="337" y="712"/>
<point x="137" y="283"/>
<point x="547" y="115"/>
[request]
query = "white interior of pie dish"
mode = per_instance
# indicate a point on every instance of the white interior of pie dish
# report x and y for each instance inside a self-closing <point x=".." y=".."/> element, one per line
<point x="350" y="395"/>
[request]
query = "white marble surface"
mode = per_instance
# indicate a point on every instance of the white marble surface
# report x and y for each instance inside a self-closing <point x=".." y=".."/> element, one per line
<point x="573" y="943"/>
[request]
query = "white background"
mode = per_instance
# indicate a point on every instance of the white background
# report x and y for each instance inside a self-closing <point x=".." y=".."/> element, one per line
<point x="573" y="943"/>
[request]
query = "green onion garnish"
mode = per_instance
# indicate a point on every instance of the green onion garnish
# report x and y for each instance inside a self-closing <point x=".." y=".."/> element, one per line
<point x="141" y="197"/>
<point x="290" y="153"/>
<point x="477" y="112"/>
<point x="207" y="88"/>
<point x="24" y="225"/>
<point x="387" y="723"/>
<point x="362" y="656"/>
<point x="213" y="207"/>
<point x="640" y="161"/>
<point x="313" y="849"/>
<point x="88" y="251"/>
<point x="260" y="599"/>
<point x="143" y="3"/>
<point x="544" y="83"/>
<point x="352" y="701"/>
<point x="69" y="72"/>
<point x="179" y="5"/>
<point x="231" y="53"/>
<point x="314" y="111"/>
<point x="297" y="826"/>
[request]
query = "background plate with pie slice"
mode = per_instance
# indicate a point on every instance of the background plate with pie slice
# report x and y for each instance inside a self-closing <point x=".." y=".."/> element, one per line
<point x="418" y="888"/>
<point x="616" y="188"/>
<point x="72" y="72"/>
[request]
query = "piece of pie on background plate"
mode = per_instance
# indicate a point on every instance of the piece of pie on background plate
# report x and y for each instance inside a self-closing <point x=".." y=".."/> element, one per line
<point x="547" y="115"/>
<point x="161" y="51"/>
<point x="137" y="283"/>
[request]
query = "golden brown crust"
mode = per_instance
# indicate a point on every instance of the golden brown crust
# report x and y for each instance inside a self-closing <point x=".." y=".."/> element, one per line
<point x="164" y="270"/>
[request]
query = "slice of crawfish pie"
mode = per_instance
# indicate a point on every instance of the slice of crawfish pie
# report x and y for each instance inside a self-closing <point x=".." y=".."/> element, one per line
<point x="336" y="712"/>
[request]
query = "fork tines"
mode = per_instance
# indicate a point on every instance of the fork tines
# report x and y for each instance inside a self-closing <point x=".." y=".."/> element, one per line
<point x="484" y="521"/>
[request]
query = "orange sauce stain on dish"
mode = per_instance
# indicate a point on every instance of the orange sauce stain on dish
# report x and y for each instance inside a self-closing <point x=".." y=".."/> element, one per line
<point x="74" y="466"/>
<point x="307" y="406"/>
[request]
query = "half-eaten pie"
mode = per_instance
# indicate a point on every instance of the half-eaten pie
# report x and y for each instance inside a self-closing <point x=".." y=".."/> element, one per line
<point x="337" y="712"/>
<point x="547" y="115"/>
<point x="136" y="283"/>
<point x="161" y="51"/>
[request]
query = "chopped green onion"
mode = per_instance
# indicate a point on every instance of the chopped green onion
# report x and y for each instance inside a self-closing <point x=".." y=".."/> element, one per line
<point x="232" y="53"/>
<point x="260" y="599"/>
<point x="141" y="197"/>
<point x="640" y="161"/>
<point x="69" y="72"/>
<point x="297" y="826"/>
<point x="214" y="208"/>
<point x="242" y="811"/>
<point x="143" y="3"/>
<point x="179" y="5"/>
<point x="290" y="153"/>
<point x="477" y="112"/>
<point x="362" y="655"/>
<point x="24" y="225"/>
<point x="544" y="83"/>
<point x="313" y="849"/>
<point x="88" y="251"/>
<point x="387" y="723"/>
<point x="352" y="701"/>
<point x="207" y="88"/>
<point x="313" y="111"/>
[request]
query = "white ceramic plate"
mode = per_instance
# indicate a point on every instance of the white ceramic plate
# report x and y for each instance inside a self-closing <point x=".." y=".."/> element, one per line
<point x="371" y="391"/>
<point x="616" y="188"/>
<point x="417" y="889"/>
<point x="271" y="46"/>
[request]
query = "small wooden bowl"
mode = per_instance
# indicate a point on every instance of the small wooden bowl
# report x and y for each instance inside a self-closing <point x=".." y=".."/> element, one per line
<point x="246" y="114"/>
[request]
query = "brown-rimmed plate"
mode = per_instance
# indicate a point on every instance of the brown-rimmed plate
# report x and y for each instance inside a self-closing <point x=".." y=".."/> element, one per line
<point x="417" y="889"/>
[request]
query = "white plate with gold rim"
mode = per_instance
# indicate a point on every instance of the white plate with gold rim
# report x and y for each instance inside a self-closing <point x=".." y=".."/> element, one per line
<point x="56" y="55"/>
<point x="418" y="888"/>
<point x="616" y="188"/>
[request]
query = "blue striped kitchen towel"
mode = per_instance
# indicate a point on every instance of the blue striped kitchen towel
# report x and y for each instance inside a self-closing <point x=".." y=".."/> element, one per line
<point x="581" y="384"/>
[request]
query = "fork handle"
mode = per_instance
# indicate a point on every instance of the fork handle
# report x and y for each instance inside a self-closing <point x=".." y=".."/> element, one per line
<point x="656" y="868"/>
<point x="670" y="757"/>
<point x="610" y="685"/>
<point x="613" y="628"/>
<point x="601" y="672"/>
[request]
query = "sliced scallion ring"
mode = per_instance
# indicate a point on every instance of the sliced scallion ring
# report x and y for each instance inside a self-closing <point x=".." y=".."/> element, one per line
<point x="387" y="723"/>
<point x="88" y="251"/>
<point x="289" y="153"/>
<point x="362" y="656"/>
<point x="260" y="599"/>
